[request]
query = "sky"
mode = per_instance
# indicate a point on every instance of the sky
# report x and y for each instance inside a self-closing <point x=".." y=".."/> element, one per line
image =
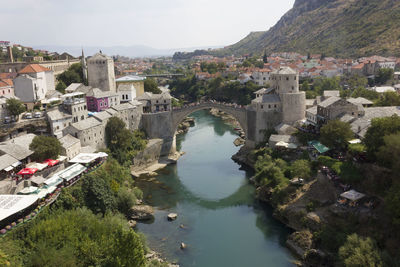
<point x="162" y="24"/>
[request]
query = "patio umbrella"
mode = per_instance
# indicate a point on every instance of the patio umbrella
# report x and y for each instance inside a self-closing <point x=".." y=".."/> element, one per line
<point x="51" y="162"/>
<point x="27" y="171"/>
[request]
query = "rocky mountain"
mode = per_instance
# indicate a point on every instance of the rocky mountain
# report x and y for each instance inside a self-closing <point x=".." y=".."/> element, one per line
<point x="343" y="28"/>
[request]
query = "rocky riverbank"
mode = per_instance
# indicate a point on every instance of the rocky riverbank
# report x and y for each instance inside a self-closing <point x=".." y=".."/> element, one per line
<point x="310" y="207"/>
<point x="184" y="126"/>
<point x="232" y="121"/>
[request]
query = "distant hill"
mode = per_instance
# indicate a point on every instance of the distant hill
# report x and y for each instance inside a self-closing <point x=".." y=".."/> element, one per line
<point x="128" y="51"/>
<point x="343" y="28"/>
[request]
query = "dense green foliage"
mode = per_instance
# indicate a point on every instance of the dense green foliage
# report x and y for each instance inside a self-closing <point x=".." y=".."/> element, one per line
<point x="384" y="75"/>
<point x="192" y="89"/>
<point x="360" y="252"/>
<point x="212" y="67"/>
<point x="336" y="133"/>
<point x="388" y="99"/>
<point x="389" y="153"/>
<point x="78" y="238"/>
<point x="14" y="106"/>
<point x="74" y="74"/>
<point x="45" y="147"/>
<point x="374" y="138"/>
<point x="122" y="143"/>
<point x="150" y="85"/>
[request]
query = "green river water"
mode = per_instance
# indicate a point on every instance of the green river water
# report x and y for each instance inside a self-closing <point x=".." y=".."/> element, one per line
<point x="218" y="217"/>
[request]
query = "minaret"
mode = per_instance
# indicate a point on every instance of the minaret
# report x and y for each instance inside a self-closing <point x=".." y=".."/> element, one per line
<point x="84" y="67"/>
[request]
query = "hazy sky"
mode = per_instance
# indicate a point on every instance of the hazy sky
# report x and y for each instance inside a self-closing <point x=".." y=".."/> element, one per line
<point x="155" y="23"/>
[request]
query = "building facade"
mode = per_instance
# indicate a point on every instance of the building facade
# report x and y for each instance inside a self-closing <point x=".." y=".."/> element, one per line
<point x="101" y="72"/>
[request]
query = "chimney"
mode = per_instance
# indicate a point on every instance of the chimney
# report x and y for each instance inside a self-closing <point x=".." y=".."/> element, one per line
<point x="10" y="54"/>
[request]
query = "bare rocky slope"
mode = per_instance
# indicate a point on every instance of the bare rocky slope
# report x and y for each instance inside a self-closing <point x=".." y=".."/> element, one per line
<point x="342" y="28"/>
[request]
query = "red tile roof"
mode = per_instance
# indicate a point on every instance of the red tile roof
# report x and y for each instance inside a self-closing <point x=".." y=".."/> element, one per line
<point x="8" y="81"/>
<point x="33" y="68"/>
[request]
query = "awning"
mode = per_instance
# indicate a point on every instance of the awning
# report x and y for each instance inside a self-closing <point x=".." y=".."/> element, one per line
<point x="16" y="164"/>
<point x="27" y="171"/>
<point x="72" y="171"/>
<point x="51" y="162"/>
<point x="11" y="204"/>
<point x="61" y="158"/>
<point x="282" y="144"/>
<point x="36" y="165"/>
<point x="54" y="181"/>
<point x="352" y="195"/>
<point x="45" y="191"/>
<point x="9" y="168"/>
<point x="85" y="158"/>
<point x="28" y="190"/>
<point x="318" y="146"/>
<point x="355" y="141"/>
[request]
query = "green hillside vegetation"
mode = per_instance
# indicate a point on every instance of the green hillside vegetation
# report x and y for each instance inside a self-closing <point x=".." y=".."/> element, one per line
<point x="342" y="28"/>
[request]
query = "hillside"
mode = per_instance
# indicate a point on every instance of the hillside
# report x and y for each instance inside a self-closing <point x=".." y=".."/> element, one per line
<point x="343" y="28"/>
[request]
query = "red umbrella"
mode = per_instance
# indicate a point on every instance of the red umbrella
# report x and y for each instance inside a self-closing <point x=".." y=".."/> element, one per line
<point x="51" y="162"/>
<point x="27" y="171"/>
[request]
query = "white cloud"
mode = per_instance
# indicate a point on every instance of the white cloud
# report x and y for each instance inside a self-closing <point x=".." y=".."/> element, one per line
<point x="156" y="23"/>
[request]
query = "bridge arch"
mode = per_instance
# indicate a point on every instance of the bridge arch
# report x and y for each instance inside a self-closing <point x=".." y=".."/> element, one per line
<point x="238" y="112"/>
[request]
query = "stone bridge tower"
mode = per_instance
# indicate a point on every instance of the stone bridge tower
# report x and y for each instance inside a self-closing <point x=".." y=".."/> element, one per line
<point x="101" y="72"/>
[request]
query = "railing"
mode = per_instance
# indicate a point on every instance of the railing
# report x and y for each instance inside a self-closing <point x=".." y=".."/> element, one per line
<point x="211" y="103"/>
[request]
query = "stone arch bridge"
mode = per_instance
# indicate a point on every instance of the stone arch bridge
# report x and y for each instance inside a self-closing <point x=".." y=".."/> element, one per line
<point x="163" y="125"/>
<point x="238" y="112"/>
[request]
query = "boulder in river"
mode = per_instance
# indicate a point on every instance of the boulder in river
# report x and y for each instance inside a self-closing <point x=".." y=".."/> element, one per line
<point x="183" y="245"/>
<point x="141" y="212"/>
<point x="172" y="216"/>
<point x="132" y="223"/>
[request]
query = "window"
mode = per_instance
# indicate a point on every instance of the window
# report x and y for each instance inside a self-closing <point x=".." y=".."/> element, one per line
<point x="82" y="117"/>
<point x="269" y="106"/>
<point x="262" y="106"/>
<point x="295" y="78"/>
<point x="287" y="78"/>
<point x="274" y="106"/>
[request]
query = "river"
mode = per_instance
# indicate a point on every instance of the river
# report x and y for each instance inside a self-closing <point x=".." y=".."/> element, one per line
<point x="218" y="217"/>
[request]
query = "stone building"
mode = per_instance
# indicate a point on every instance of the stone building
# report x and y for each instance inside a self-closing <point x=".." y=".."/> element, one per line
<point x="136" y="81"/>
<point x="72" y="110"/>
<point x="90" y="132"/>
<point x="101" y="72"/>
<point x="155" y="102"/>
<point x="71" y="146"/>
<point x="335" y="107"/>
<point x="281" y="103"/>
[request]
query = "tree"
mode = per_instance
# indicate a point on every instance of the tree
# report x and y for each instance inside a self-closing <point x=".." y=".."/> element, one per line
<point x="74" y="74"/>
<point x="61" y="87"/>
<point x="336" y="133"/>
<point x="384" y="75"/>
<point x="14" y="106"/>
<point x="358" y="251"/>
<point x="389" y="153"/>
<point x="45" y="147"/>
<point x="97" y="194"/>
<point x="122" y="143"/>
<point x="301" y="168"/>
<point x="265" y="57"/>
<point x="150" y="85"/>
<point x="392" y="203"/>
<point x="305" y="86"/>
<point x="378" y="129"/>
<point x="388" y="99"/>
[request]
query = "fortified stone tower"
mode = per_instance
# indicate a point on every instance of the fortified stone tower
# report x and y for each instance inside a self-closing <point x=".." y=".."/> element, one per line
<point x="101" y="72"/>
<point x="285" y="81"/>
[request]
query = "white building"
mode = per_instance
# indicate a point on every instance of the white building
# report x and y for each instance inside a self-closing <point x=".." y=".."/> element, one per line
<point x="261" y="77"/>
<point x="33" y="83"/>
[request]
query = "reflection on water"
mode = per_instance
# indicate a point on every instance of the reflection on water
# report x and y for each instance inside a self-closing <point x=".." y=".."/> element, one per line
<point x="218" y="217"/>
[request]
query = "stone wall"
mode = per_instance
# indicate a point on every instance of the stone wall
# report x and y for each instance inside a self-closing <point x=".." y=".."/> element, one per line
<point x="149" y="155"/>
